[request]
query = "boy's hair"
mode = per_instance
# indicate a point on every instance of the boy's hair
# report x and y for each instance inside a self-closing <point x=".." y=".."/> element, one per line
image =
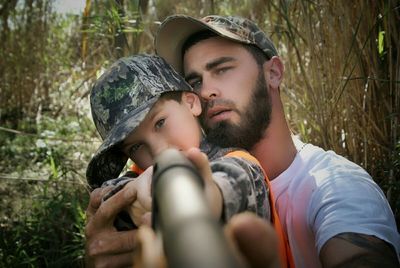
<point x="172" y="95"/>
<point x="259" y="56"/>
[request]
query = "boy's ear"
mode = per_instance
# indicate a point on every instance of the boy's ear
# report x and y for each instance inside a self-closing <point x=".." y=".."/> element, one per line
<point x="192" y="101"/>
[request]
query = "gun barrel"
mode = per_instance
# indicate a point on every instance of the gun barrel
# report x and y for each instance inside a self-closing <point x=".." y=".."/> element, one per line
<point x="191" y="235"/>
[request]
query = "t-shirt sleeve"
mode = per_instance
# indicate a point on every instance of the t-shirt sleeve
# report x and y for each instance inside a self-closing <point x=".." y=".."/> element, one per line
<point x="242" y="186"/>
<point x="351" y="202"/>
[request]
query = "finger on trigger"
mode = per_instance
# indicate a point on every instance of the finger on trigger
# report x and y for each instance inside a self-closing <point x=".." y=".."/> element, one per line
<point x="200" y="160"/>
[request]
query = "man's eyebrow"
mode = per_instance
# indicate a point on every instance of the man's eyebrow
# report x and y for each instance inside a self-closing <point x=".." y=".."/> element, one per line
<point x="191" y="76"/>
<point x="210" y="66"/>
<point x="218" y="61"/>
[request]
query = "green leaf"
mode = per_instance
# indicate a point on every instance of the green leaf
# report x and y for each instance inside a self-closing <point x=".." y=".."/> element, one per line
<point x="53" y="167"/>
<point x="380" y="42"/>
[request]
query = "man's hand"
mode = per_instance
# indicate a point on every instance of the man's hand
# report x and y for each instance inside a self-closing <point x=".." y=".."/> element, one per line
<point x="105" y="246"/>
<point x="149" y="253"/>
<point x="242" y="230"/>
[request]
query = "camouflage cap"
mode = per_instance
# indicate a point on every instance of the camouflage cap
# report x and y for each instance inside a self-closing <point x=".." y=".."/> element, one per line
<point x="175" y="30"/>
<point x="120" y="99"/>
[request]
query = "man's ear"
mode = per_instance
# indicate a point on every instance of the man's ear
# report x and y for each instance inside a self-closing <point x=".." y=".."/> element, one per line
<point x="273" y="70"/>
<point x="192" y="101"/>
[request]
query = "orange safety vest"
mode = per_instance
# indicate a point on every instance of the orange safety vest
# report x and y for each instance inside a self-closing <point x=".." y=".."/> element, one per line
<point x="285" y="253"/>
<point x="135" y="168"/>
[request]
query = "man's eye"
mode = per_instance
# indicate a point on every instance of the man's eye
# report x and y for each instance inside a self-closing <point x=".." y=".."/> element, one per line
<point x="222" y="70"/>
<point x="159" y="123"/>
<point x="195" y="84"/>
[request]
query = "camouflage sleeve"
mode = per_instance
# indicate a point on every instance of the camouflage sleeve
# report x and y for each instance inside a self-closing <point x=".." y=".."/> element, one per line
<point x="242" y="186"/>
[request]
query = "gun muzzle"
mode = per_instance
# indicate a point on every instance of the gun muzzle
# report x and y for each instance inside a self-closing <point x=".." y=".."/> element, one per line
<point x="191" y="235"/>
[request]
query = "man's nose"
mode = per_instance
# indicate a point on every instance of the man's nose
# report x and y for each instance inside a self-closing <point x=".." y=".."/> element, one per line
<point x="209" y="89"/>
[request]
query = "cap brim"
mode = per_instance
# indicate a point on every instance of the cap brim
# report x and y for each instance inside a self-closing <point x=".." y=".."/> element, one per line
<point x="109" y="161"/>
<point x="174" y="32"/>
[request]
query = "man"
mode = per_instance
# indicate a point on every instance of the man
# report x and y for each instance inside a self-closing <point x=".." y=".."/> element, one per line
<point x="321" y="197"/>
<point x="333" y="212"/>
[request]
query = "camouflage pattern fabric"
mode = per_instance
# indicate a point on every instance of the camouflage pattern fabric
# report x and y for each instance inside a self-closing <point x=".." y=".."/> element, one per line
<point x="240" y="181"/>
<point x="120" y="99"/>
<point x="176" y="29"/>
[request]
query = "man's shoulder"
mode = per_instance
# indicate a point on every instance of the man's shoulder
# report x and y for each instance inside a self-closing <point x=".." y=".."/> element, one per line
<point x="213" y="151"/>
<point x="338" y="180"/>
<point x="238" y="157"/>
<point x="321" y="165"/>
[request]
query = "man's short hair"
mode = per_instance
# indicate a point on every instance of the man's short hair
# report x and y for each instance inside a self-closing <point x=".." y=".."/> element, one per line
<point x="258" y="55"/>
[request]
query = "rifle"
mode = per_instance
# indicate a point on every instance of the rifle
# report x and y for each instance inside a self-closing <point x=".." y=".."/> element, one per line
<point x="191" y="235"/>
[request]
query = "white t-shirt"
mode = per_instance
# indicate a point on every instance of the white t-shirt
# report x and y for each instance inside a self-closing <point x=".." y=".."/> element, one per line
<point x="321" y="195"/>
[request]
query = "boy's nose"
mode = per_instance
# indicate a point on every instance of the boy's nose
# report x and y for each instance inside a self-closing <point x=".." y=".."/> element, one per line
<point x="158" y="146"/>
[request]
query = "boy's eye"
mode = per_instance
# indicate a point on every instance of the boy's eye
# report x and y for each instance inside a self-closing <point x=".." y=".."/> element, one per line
<point x="134" y="148"/>
<point x="159" y="123"/>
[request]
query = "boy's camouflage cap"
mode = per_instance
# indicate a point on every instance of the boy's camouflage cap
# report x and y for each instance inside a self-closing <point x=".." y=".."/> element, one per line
<point x="120" y="99"/>
<point x="176" y="29"/>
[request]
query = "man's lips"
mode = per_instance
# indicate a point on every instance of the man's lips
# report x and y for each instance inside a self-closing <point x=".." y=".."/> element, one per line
<point x="218" y="113"/>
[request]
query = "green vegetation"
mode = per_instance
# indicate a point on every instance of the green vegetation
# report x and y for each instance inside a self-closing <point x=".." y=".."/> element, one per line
<point x="44" y="194"/>
<point x="341" y="91"/>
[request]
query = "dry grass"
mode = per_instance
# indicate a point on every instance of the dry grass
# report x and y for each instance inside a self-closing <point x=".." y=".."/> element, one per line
<point x="342" y="79"/>
<point x="342" y="82"/>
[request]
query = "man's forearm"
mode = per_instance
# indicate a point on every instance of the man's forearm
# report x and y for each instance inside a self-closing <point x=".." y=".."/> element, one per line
<point x="358" y="250"/>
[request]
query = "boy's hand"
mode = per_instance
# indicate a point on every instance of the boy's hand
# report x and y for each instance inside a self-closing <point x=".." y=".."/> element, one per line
<point x="212" y="192"/>
<point x="141" y="187"/>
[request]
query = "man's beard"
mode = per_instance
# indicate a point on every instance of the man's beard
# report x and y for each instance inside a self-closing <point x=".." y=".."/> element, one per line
<point x="253" y="121"/>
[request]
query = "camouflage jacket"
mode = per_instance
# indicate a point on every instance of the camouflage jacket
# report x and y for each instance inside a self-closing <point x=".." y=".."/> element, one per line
<point x="240" y="181"/>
